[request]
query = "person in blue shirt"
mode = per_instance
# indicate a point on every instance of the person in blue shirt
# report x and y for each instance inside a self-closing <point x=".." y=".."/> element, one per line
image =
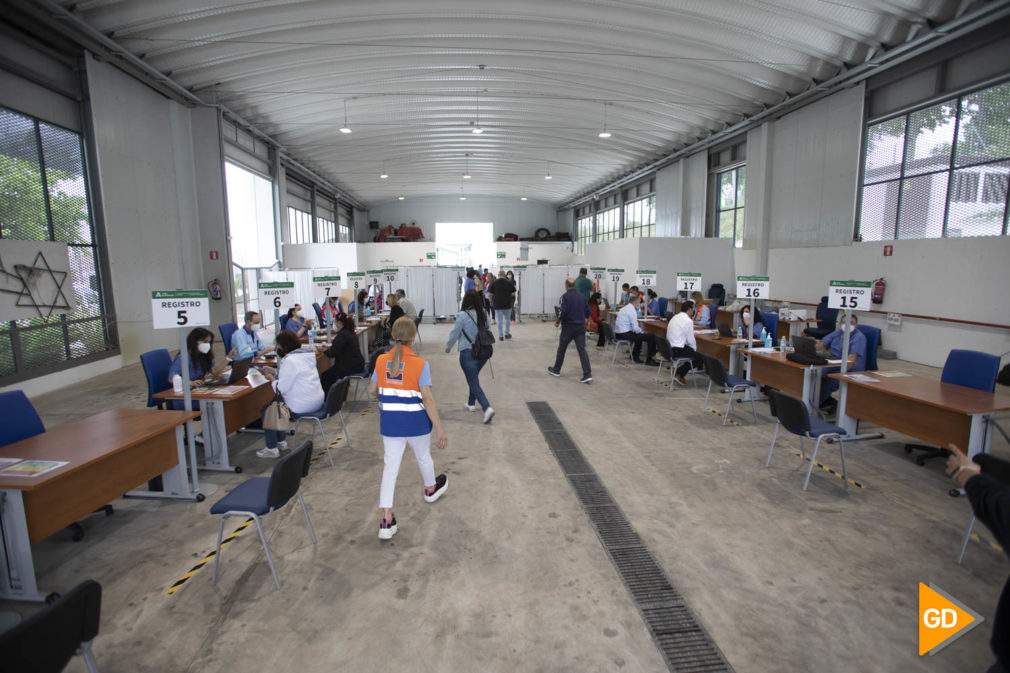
<point x="702" y="316"/>
<point x="471" y="282"/>
<point x="833" y="343"/>
<point x="572" y="321"/>
<point x="246" y="342"/>
<point x="625" y="294"/>
<point x="297" y="322"/>
<point x="469" y="320"/>
<point x="654" y="303"/>
<point x="199" y="344"/>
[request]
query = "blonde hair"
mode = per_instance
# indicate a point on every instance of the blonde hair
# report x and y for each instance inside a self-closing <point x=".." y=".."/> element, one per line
<point x="698" y="298"/>
<point x="392" y="299"/>
<point x="403" y="331"/>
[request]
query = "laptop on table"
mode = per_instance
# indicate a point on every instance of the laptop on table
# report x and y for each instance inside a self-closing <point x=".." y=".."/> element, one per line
<point x="808" y="346"/>
<point x="239" y="370"/>
<point x="725" y="330"/>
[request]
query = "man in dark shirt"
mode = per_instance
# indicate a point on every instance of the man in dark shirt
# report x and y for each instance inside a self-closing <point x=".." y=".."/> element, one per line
<point x="503" y="293"/>
<point x="572" y="319"/>
<point x="583" y="284"/>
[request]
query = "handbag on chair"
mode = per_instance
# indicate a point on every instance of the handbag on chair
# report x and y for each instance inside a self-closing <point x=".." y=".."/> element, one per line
<point x="277" y="415"/>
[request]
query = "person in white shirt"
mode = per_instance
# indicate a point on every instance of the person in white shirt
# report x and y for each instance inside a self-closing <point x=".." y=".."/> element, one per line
<point x="406" y="304"/>
<point x="297" y="381"/>
<point x="680" y="334"/>
<point x="627" y="327"/>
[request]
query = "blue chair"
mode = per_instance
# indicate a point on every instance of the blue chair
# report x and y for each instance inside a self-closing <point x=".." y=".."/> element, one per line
<point x="319" y="314"/>
<point x="663" y="301"/>
<point x="717" y="375"/>
<point x="712" y="310"/>
<point x="792" y="414"/>
<point x="873" y="340"/>
<point x="335" y="399"/>
<point x="771" y="321"/>
<point x="827" y="319"/>
<point x="260" y="496"/>
<point x="284" y="320"/>
<point x="227" y="330"/>
<point x="718" y="292"/>
<point x="46" y="641"/>
<point x="156" y="364"/>
<point x="971" y="369"/>
<point x="22" y="419"/>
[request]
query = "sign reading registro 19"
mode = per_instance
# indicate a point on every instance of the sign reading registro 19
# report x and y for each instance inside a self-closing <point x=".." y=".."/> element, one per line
<point x="615" y="275"/>
<point x="688" y="282"/>
<point x="276" y="296"/>
<point x="851" y="294"/>
<point x="753" y="287"/>
<point x="180" y="308"/>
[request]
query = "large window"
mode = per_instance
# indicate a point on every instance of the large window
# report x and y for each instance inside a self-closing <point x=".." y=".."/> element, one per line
<point x="730" y="187"/>
<point x="299" y="226"/>
<point x="583" y="228"/>
<point x="939" y="171"/>
<point x="608" y="224"/>
<point x="44" y="197"/>
<point x="250" y="217"/>
<point x="640" y="218"/>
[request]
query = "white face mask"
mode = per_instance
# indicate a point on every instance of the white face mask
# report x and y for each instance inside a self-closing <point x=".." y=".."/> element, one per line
<point x="203" y="347"/>
<point x="298" y="314"/>
<point x="746" y="318"/>
<point x="846" y="327"/>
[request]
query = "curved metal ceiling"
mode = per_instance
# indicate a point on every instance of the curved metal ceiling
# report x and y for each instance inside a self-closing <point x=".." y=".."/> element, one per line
<point x="537" y="75"/>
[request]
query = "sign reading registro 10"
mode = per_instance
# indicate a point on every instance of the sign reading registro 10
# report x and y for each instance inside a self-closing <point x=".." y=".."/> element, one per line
<point x="853" y="295"/>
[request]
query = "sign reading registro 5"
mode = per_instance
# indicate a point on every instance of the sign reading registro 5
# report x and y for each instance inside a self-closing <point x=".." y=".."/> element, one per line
<point x="180" y="308"/>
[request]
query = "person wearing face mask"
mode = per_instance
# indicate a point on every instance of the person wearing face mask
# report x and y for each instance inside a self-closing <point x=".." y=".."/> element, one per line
<point x="833" y="343"/>
<point x="297" y="322"/>
<point x="357" y="307"/>
<point x="702" y="316"/>
<point x="345" y="351"/>
<point x="246" y="342"/>
<point x="331" y="308"/>
<point x="199" y="343"/>
<point x="754" y="331"/>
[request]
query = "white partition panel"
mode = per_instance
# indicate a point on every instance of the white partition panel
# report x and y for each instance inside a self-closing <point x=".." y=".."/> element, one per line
<point x="447" y="290"/>
<point x="531" y="289"/>
<point x="555" y="286"/>
<point x="419" y="284"/>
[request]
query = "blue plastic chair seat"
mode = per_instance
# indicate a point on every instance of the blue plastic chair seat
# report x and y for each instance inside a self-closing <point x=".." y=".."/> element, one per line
<point x="819" y="427"/>
<point x="249" y="496"/>
<point x="734" y="380"/>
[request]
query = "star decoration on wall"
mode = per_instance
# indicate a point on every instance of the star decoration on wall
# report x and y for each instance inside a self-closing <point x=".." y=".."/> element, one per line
<point x="32" y="294"/>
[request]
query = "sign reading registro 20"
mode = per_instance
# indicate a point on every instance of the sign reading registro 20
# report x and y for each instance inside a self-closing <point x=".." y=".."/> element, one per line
<point x="688" y="282"/>
<point x="276" y="296"/>
<point x="180" y="308"/>
<point x="753" y="287"/>
<point x="850" y="294"/>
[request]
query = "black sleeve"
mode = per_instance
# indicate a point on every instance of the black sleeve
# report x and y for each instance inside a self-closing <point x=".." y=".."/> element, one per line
<point x="336" y="348"/>
<point x="990" y="500"/>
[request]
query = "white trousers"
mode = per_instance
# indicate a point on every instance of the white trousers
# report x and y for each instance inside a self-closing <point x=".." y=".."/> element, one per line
<point x="394" y="455"/>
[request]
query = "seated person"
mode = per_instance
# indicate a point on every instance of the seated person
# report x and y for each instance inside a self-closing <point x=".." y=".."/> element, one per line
<point x="653" y="302"/>
<point x="357" y="307"/>
<point x="345" y="351"/>
<point x="702" y="316"/>
<point x="408" y="306"/>
<point x="331" y="308"/>
<point x="593" y="324"/>
<point x="625" y="294"/>
<point x="680" y="334"/>
<point x="246" y="342"/>
<point x="297" y="322"/>
<point x="627" y="328"/>
<point x="833" y="343"/>
<point x="297" y="380"/>
<point x="758" y="326"/>
<point x="395" y="310"/>
<point x="199" y="343"/>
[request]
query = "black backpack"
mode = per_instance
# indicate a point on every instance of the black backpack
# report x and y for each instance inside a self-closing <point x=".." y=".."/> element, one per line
<point x="482" y="348"/>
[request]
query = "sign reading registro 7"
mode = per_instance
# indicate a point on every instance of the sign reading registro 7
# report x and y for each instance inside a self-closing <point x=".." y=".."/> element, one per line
<point x="853" y="295"/>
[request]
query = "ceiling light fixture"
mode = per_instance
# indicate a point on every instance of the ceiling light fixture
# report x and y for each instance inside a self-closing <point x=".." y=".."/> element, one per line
<point x="475" y="125"/>
<point x="466" y="171"/>
<point x="604" y="133"/>
<point x="548" y="176"/>
<point x="383" y="174"/>
<point x="345" y="128"/>
<point x="400" y="198"/>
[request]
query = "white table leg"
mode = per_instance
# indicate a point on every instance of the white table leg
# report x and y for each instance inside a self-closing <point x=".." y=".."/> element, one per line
<point x="175" y="481"/>
<point x="18" y="580"/>
<point x="850" y="424"/>
<point x="215" y="437"/>
<point x="979" y="438"/>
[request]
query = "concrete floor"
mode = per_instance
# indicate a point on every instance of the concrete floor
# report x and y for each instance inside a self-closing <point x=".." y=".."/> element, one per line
<point x="506" y="573"/>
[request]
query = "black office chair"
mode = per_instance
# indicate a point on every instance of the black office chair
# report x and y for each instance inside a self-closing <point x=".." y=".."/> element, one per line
<point x="335" y="399"/>
<point x="718" y="376"/>
<point x="826" y="320"/>
<point x="49" y="639"/>
<point x="417" y="324"/>
<point x="666" y="358"/>
<point x="792" y="414"/>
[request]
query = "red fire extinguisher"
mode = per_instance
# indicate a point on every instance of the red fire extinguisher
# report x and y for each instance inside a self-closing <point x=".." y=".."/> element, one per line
<point x="879" y="286"/>
<point x="214" y="287"/>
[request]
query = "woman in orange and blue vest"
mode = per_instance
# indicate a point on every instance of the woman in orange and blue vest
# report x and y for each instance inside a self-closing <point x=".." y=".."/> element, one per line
<point x="407" y="415"/>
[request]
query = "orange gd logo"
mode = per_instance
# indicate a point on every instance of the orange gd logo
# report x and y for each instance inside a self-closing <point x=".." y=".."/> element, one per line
<point x="942" y="619"/>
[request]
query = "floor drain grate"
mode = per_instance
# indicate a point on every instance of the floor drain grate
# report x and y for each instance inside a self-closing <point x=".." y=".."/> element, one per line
<point x="682" y="641"/>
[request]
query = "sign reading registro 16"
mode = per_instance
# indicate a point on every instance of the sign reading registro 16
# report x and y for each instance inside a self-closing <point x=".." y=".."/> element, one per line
<point x="851" y="294"/>
<point x="180" y="308"/>
<point x="753" y="287"/>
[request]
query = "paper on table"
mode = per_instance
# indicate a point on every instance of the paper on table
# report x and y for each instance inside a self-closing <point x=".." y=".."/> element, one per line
<point x="862" y="378"/>
<point x="7" y="462"/>
<point x="888" y="375"/>
<point x="228" y="390"/>
<point x="834" y="362"/>
<point x="32" y="468"/>
<point x="763" y="350"/>
<point x="706" y="331"/>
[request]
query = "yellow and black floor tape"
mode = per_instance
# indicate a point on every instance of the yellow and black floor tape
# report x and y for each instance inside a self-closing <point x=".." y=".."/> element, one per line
<point x="977" y="538"/>
<point x="721" y="415"/>
<point x="830" y="471"/>
<point x="366" y="409"/>
<point x="207" y="559"/>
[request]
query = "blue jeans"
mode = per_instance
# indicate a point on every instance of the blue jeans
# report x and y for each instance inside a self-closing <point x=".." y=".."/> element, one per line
<point x="502" y="316"/>
<point x="471" y="369"/>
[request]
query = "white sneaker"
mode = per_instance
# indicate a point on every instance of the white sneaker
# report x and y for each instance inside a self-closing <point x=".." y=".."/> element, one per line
<point x="268" y="453"/>
<point x="488" y="414"/>
<point x="470" y="407"/>
<point x="282" y="445"/>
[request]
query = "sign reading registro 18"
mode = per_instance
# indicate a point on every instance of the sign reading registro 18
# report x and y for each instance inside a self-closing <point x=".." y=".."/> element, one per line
<point x="753" y="287"/>
<point x="277" y="296"/>
<point x="180" y="308"/>
<point x="688" y="282"/>
<point x="646" y="278"/>
<point x="851" y="294"/>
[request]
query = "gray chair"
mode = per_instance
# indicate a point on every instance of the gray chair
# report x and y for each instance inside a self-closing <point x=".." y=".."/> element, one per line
<point x="335" y="399"/>
<point x="261" y="496"/>
<point x="717" y="375"/>
<point x="609" y="338"/>
<point x="792" y="414"/>
<point x="666" y="358"/>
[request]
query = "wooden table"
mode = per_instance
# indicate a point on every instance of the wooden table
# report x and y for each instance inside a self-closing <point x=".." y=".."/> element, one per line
<point x="776" y="371"/>
<point x="370" y="327"/>
<point x="322" y="361"/>
<point x="225" y="414"/>
<point x="107" y="455"/>
<point x="795" y="326"/>
<point x="709" y="343"/>
<point x="927" y="409"/>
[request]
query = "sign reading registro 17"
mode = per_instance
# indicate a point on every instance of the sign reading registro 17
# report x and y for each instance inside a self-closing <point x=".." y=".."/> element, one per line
<point x="851" y="294"/>
<point x="325" y="286"/>
<point x="753" y="287"/>
<point x="277" y="296"/>
<point x="688" y="282"/>
<point x="180" y="308"/>
<point x="646" y="278"/>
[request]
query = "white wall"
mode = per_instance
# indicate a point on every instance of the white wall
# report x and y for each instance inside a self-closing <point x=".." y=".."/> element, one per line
<point x="951" y="278"/>
<point x="385" y="255"/>
<point x="669" y="200"/>
<point x="509" y="214"/>
<point x="341" y="256"/>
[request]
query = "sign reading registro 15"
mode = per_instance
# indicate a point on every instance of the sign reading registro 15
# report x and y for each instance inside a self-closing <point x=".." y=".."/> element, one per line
<point x="753" y="287"/>
<point x="851" y="294"/>
<point x="180" y="308"/>
<point x="646" y="277"/>
<point x="277" y="296"/>
<point x="325" y="286"/>
<point x="688" y="282"/>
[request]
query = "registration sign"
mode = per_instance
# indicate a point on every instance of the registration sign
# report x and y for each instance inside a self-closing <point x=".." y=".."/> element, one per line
<point x="375" y="276"/>
<point x="753" y="287"/>
<point x="646" y="278"/>
<point x="391" y="275"/>
<point x="688" y="282"/>
<point x="279" y="295"/>
<point x="180" y="308"/>
<point x="356" y="280"/>
<point x="853" y="295"/>
<point x="598" y="273"/>
<point x="325" y="286"/>
<point x="615" y="275"/>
